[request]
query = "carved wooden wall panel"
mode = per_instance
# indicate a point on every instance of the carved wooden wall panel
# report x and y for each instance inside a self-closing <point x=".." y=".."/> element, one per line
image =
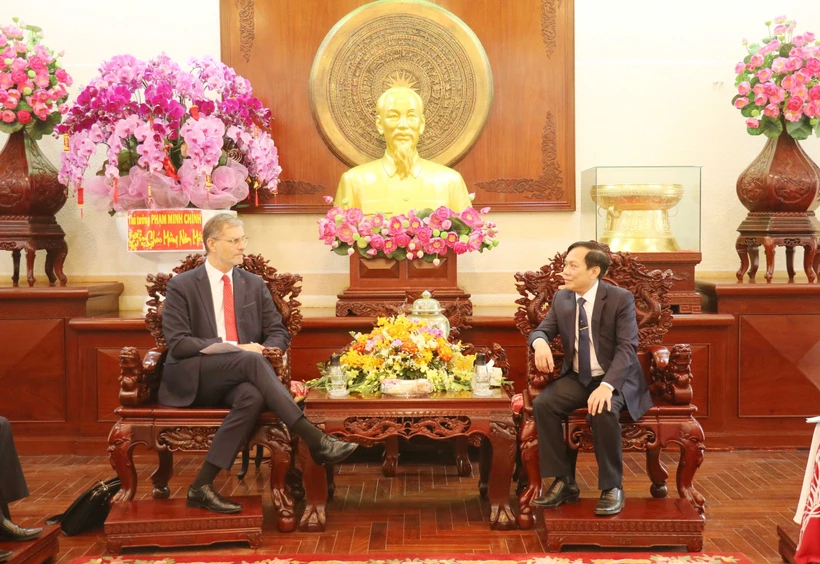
<point x="525" y="157"/>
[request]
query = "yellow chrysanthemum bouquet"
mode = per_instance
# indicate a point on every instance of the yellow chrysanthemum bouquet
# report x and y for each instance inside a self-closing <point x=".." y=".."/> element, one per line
<point x="398" y="348"/>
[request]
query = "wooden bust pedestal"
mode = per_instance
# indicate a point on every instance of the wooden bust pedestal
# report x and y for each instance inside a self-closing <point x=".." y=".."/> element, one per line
<point x="379" y="283"/>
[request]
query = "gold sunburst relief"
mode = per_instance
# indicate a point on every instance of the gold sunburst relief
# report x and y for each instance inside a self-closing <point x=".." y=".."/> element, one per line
<point x="411" y="43"/>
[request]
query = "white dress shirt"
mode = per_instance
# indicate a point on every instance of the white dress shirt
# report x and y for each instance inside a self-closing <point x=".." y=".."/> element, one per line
<point x="217" y="288"/>
<point x="589" y="306"/>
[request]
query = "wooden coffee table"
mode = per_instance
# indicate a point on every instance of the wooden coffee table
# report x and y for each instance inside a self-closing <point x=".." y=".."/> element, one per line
<point x="370" y="419"/>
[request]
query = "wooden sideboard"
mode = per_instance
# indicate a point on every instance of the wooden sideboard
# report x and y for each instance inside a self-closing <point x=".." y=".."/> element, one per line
<point x="754" y="360"/>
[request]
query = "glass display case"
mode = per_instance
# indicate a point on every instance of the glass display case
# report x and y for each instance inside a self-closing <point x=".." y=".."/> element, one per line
<point x="642" y="209"/>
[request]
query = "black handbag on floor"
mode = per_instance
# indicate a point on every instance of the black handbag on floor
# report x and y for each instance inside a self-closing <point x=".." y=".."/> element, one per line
<point x="89" y="510"/>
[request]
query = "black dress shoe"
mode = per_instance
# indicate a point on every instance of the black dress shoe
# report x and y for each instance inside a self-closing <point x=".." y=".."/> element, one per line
<point x="558" y="493"/>
<point x="332" y="451"/>
<point x="11" y="532"/>
<point x="208" y="498"/>
<point x="5" y="555"/>
<point x="611" y="502"/>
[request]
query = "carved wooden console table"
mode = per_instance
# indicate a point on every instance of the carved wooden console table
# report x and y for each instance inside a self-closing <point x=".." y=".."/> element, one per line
<point x="370" y="419"/>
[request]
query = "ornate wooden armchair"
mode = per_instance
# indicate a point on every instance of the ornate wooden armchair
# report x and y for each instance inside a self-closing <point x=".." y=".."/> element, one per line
<point x="667" y="369"/>
<point x="191" y="429"/>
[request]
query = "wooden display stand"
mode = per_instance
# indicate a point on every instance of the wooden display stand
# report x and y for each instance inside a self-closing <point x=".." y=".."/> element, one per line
<point x="169" y="522"/>
<point x="682" y="297"/>
<point x="643" y="523"/>
<point x="777" y="229"/>
<point x="379" y="284"/>
<point x="36" y="551"/>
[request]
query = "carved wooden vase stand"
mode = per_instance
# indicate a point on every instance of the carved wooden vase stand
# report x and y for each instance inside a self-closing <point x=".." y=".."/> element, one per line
<point x="780" y="190"/>
<point x="30" y="195"/>
<point x="379" y="284"/>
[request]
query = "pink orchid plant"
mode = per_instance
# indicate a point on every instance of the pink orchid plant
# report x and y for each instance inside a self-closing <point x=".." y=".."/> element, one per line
<point x="778" y="83"/>
<point x="172" y="137"/>
<point x="425" y="234"/>
<point x="32" y="82"/>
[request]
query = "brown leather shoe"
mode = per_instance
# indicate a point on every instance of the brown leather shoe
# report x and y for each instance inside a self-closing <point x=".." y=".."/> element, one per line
<point x="208" y="498"/>
<point x="611" y="502"/>
<point x="11" y="532"/>
<point x="559" y="492"/>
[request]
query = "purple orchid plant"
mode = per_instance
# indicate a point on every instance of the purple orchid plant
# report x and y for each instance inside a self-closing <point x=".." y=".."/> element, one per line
<point x="172" y="137"/>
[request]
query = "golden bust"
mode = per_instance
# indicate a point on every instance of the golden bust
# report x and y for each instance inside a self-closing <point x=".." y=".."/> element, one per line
<point x="401" y="180"/>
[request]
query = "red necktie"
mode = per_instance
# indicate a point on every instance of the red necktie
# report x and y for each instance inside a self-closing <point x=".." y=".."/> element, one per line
<point x="227" y="305"/>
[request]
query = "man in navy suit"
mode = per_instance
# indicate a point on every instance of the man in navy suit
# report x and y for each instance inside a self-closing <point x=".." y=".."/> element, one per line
<point x="601" y="371"/>
<point x="216" y="302"/>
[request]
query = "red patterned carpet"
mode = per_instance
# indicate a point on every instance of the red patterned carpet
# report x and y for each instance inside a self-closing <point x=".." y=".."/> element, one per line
<point x="563" y="558"/>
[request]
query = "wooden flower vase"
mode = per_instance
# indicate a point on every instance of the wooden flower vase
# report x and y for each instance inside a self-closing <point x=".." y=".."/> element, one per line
<point x="380" y="286"/>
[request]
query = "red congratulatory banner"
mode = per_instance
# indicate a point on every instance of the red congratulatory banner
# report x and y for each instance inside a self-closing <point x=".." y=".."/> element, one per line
<point x="165" y="230"/>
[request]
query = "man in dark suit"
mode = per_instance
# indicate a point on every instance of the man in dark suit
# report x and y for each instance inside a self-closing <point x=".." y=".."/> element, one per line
<point x="216" y="302"/>
<point x="601" y="371"/>
<point x="12" y="487"/>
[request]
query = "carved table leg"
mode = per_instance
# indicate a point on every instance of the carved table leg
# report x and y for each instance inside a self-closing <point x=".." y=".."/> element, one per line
<point x="59" y="260"/>
<point x="485" y="462"/>
<point x="768" y="247"/>
<point x="530" y="464"/>
<point x="246" y="462"/>
<point x="502" y="439"/>
<point x="15" y="259"/>
<point x="754" y="257"/>
<point x="50" y="267"/>
<point x="810" y="255"/>
<point x="743" y="252"/>
<point x="315" y="482"/>
<point x="120" y="456"/>
<point x="278" y="441"/>
<point x="657" y="472"/>
<point x="390" y="460"/>
<point x="790" y="262"/>
<point x="30" y="253"/>
<point x="162" y="475"/>
<point x="463" y="466"/>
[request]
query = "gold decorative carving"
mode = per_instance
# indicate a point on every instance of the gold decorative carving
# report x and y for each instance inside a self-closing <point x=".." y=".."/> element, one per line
<point x="549" y="184"/>
<point x="411" y="43"/>
<point x="247" y="31"/>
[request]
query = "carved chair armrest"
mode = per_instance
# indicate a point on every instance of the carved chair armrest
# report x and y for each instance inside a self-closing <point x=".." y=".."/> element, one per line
<point x="671" y="374"/>
<point x="278" y="360"/>
<point x="139" y="380"/>
<point x="659" y="355"/>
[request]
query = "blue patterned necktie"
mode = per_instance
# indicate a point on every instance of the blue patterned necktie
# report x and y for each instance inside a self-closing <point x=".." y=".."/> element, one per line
<point x="584" y="365"/>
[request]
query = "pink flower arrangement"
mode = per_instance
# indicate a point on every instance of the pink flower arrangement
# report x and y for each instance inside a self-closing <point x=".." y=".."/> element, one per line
<point x="426" y="234"/>
<point x="172" y="137"/>
<point x="32" y="82"/>
<point x="778" y="83"/>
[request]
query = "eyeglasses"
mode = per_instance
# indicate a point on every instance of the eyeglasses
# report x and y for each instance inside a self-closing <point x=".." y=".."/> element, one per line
<point x="236" y="241"/>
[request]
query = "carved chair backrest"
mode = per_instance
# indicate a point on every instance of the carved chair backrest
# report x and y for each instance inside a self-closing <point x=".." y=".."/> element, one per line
<point x="650" y="288"/>
<point x="284" y="289"/>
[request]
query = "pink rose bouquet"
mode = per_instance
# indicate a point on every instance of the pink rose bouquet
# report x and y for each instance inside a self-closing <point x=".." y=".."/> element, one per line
<point x="171" y="137"/>
<point x="426" y="234"/>
<point x="32" y="82"/>
<point x="778" y="83"/>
